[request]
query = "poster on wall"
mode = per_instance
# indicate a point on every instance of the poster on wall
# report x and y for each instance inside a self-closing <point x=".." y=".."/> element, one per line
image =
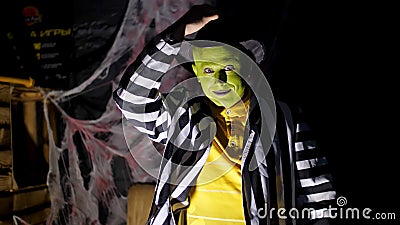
<point x="48" y="27"/>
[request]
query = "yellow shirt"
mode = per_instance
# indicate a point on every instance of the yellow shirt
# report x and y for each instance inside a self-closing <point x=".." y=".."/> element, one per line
<point x="217" y="197"/>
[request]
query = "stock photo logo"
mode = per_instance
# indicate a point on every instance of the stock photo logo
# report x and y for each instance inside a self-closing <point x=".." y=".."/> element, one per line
<point x="339" y="212"/>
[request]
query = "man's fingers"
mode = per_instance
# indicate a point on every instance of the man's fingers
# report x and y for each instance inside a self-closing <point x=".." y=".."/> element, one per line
<point x="209" y="18"/>
<point x="194" y="27"/>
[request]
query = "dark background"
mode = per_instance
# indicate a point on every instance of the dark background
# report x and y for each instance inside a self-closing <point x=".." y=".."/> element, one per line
<point x="345" y="59"/>
<point x="345" y="53"/>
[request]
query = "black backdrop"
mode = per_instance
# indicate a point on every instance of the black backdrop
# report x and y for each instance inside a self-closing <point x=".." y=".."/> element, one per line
<point x="344" y="58"/>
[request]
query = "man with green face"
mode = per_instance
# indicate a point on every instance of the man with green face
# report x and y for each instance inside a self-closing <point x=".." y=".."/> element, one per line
<point x="217" y="71"/>
<point x="217" y="168"/>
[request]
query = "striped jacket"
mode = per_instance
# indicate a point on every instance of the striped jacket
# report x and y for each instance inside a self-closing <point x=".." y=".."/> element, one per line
<point x="292" y="176"/>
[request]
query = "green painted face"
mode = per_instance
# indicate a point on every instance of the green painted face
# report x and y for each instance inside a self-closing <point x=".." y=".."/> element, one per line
<point x="216" y="69"/>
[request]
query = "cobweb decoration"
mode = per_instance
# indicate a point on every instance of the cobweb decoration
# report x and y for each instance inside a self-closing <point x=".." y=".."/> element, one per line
<point x="81" y="197"/>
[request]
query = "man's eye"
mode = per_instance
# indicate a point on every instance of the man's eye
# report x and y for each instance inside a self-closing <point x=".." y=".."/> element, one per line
<point x="229" y="68"/>
<point x="208" y="70"/>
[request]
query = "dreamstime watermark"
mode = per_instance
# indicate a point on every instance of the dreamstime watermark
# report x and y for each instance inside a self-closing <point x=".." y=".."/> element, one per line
<point x="339" y="212"/>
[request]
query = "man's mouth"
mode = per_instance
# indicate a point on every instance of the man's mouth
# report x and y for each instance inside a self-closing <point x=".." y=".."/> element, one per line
<point x="222" y="93"/>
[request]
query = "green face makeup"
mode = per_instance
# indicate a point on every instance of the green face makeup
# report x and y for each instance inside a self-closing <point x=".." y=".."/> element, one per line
<point x="216" y="69"/>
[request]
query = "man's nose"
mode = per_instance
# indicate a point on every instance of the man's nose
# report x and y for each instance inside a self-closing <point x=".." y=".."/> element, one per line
<point x="222" y="76"/>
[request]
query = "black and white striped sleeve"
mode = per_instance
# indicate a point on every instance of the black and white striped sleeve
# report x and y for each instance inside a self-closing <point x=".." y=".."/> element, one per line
<point x="138" y="96"/>
<point x="315" y="191"/>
